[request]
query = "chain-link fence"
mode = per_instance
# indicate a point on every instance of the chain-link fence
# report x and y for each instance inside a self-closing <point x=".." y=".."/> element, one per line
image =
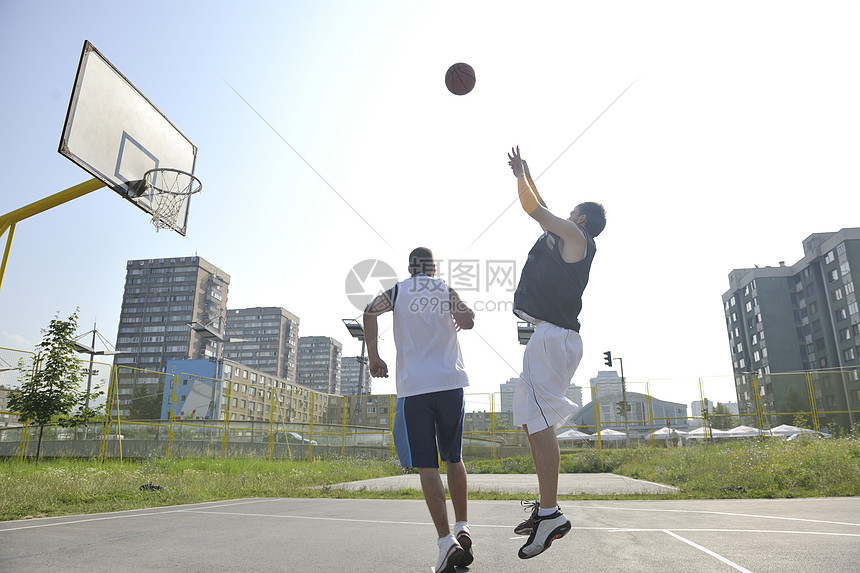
<point x="188" y="415"/>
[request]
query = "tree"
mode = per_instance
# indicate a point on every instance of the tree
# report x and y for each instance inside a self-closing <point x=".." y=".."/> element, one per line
<point x="721" y="417"/>
<point x="51" y="391"/>
<point x="792" y="405"/>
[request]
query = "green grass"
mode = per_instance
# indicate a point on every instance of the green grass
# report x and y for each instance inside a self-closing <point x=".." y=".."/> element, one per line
<point x="770" y="469"/>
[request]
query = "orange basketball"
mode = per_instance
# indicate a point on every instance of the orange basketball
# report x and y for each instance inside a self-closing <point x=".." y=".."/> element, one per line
<point x="460" y="79"/>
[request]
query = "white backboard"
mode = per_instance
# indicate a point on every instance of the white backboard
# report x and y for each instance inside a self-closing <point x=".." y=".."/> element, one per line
<point x="116" y="134"/>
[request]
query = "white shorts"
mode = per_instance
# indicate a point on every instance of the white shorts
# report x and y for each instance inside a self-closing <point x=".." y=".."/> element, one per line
<point x="549" y="362"/>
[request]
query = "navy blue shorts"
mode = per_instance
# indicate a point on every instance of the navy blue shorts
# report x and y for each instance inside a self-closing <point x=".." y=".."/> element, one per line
<point x="422" y="421"/>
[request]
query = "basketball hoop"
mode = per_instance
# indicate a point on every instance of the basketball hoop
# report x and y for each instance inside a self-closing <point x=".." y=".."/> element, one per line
<point x="168" y="191"/>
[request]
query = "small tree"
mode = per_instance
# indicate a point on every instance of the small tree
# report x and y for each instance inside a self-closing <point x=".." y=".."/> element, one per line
<point x="721" y="417"/>
<point x="51" y="390"/>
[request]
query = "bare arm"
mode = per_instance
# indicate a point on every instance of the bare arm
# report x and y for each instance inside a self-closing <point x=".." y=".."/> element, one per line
<point x="464" y="317"/>
<point x="379" y="305"/>
<point x="573" y="249"/>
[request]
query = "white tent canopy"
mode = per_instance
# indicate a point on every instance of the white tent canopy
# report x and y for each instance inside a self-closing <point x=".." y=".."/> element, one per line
<point x="572" y="435"/>
<point x="665" y="433"/>
<point x="700" y="433"/>
<point x="788" y="430"/>
<point x="608" y="436"/>
<point x="746" y="432"/>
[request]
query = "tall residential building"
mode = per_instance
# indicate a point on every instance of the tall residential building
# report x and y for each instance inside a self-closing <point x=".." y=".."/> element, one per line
<point x="506" y="392"/>
<point x="318" y="364"/>
<point x="354" y="382"/>
<point x="172" y="309"/>
<point x="798" y="318"/>
<point x="264" y="338"/>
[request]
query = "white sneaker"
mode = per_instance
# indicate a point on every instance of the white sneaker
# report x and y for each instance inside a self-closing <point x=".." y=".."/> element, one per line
<point x="546" y="530"/>
<point x="464" y="538"/>
<point x="450" y="554"/>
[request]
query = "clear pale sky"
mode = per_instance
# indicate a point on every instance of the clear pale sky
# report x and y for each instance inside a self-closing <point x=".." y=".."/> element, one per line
<point x="741" y="118"/>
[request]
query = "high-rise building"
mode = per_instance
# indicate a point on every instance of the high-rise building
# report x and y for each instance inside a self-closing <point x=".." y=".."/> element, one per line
<point x="318" y="364"/>
<point x="354" y="382"/>
<point x="798" y="318"/>
<point x="172" y="309"/>
<point x="506" y="392"/>
<point x="264" y="338"/>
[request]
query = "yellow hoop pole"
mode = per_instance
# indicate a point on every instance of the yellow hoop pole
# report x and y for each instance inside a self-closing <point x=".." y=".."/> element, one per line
<point x="6" y="251"/>
<point x="9" y="220"/>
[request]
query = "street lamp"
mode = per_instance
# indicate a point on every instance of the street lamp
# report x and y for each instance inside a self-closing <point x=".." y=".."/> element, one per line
<point x="525" y="331"/>
<point x="356" y="330"/>
<point x="91" y="350"/>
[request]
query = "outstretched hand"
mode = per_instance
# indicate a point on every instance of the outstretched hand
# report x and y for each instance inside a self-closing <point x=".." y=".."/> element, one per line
<point x="518" y="166"/>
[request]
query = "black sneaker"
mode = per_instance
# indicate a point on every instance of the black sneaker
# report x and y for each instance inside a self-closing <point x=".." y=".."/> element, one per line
<point x="546" y="530"/>
<point x="525" y="528"/>
<point x="464" y="538"/>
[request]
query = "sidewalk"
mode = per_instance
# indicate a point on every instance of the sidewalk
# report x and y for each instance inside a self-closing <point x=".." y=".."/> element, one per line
<point x="568" y="484"/>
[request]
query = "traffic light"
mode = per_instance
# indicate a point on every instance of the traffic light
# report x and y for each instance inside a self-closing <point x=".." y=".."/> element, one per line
<point x="619" y="408"/>
<point x="608" y="358"/>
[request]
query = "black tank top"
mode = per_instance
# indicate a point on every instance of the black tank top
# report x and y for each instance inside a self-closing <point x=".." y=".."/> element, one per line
<point x="551" y="289"/>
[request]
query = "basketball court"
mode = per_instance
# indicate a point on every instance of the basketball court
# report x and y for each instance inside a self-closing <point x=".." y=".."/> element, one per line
<point x="300" y="535"/>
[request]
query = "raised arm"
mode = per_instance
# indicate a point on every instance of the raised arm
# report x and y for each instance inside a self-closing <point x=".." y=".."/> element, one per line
<point x="568" y="229"/>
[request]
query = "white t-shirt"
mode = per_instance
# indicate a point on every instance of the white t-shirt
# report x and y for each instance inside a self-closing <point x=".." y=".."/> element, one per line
<point x="428" y="353"/>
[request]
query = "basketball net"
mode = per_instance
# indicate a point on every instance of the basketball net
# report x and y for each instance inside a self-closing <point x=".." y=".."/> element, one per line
<point x="169" y="190"/>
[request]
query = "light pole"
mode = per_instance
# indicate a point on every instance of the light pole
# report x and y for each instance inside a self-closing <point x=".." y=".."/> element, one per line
<point x="356" y="330"/>
<point x="624" y="406"/>
<point x="84" y="349"/>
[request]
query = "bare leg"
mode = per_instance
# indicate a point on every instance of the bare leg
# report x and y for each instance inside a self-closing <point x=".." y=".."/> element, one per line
<point x="458" y="488"/>
<point x="434" y="495"/>
<point x="547" y="460"/>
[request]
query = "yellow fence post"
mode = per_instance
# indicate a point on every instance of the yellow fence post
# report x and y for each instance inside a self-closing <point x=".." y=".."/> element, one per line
<point x="391" y="425"/>
<point x="813" y="407"/>
<point x="172" y="415"/>
<point x="311" y="425"/>
<point x="650" y="415"/>
<point x="225" y="433"/>
<point x="595" y="400"/>
<point x="343" y="425"/>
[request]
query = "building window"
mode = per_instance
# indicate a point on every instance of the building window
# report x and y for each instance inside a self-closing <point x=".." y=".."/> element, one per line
<point x="833" y="275"/>
<point x="829" y="258"/>
<point x="849" y="354"/>
<point x="845" y="268"/>
<point x="841" y="315"/>
<point x="852" y="308"/>
<point x="837" y="294"/>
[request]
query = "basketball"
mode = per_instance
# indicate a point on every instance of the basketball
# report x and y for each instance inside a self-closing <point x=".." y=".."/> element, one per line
<point x="460" y="79"/>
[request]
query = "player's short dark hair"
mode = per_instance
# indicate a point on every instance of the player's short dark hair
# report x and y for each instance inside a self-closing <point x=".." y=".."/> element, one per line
<point x="595" y="217"/>
<point x="421" y="261"/>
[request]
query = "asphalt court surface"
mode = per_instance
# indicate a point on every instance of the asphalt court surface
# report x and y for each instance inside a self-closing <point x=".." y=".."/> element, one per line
<point x="569" y="484"/>
<point x="286" y="535"/>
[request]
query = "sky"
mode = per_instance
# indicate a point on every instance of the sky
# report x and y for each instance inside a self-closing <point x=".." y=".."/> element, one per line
<point x="326" y="137"/>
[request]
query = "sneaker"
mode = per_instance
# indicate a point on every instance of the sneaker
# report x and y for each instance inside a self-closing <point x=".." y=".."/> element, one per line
<point x="546" y="530"/>
<point x="464" y="538"/>
<point x="450" y="555"/>
<point x="525" y="528"/>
